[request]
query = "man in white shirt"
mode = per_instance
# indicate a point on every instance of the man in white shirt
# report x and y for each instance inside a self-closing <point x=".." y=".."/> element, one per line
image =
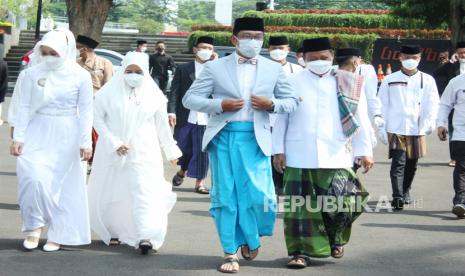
<point x="189" y="126"/>
<point x="454" y="98"/>
<point x="410" y="103"/>
<point x="350" y="59"/>
<point x="447" y="71"/>
<point x="279" y="49"/>
<point x="239" y="92"/>
<point x="315" y="146"/>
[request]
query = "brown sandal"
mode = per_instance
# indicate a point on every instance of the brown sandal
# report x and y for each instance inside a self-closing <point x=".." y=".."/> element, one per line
<point x="337" y="252"/>
<point x="229" y="260"/>
<point x="114" y="241"/>
<point x="248" y="254"/>
<point x="298" y="262"/>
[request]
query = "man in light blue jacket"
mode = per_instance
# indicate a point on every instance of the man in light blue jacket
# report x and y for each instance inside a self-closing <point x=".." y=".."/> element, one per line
<point x="239" y="92"/>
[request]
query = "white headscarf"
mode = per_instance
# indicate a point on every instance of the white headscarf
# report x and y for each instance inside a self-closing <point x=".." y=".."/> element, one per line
<point x="128" y="113"/>
<point x="56" y="77"/>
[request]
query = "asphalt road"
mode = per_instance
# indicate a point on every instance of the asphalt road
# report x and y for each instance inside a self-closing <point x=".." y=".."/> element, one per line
<point x="425" y="239"/>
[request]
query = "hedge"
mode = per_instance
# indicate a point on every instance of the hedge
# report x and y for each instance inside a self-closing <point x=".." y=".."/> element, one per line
<point x="384" y="33"/>
<point x="364" y="42"/>
<point x="330" y="11"/>
<point x="384" y="21"/>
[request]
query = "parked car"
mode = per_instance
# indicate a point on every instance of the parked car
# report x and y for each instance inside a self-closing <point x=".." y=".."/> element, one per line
<point x="114" y="57"/>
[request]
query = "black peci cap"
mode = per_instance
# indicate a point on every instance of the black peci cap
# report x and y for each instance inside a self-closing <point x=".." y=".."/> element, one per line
<point x="410" y="49"/>
<point x="205" y="39"/>
<point x="85" y="40"/>
<point x="316" y="44"/>
<point x="248" y="24"/>
<point x="348" y="52"/>
<point x="278" y="41"/>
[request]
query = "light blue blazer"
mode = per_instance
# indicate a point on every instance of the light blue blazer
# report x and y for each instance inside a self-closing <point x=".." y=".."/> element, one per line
<point x="218" y="81"/>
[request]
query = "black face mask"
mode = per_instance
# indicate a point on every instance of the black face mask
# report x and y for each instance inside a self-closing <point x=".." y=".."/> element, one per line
<point x="160" y="50"/>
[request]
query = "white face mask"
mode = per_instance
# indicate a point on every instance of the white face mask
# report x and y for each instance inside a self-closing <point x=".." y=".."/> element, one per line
<point x="53" y="62"/>
<point x="134" y="80"/>
<point x="320" y="67"/>
<point x="250" y="47"/>
<point x="301" y="62"/>
<point x="410" y="64"/>
<point x="143" y="49"/>
<point x="278" y="54"/>
<point x="462" y="60"/>
<point x="204" y="54"/>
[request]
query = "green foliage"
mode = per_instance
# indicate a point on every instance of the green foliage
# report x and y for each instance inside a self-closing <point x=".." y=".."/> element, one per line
<point x="340" y="4"/>
<point x="194" y="12"/>
<point x="341" y="20"/>
<point x="364" y="42"/>
<point x="435" y="13"/>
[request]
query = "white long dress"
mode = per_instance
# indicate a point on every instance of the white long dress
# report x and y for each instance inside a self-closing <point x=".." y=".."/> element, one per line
<point x="129" y="198"/>
<point x="52" y="190"/>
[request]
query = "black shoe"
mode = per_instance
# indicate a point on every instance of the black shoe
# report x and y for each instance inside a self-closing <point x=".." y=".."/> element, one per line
<point x="459" y="210"/>
<point x="145" y="246"/>
<point x="397" y="204"/>
<point x="407" y="199"/>
<point x="177" y="179"/>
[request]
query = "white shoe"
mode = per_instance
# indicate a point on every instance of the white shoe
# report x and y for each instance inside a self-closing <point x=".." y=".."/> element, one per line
<point x="51" y="247"/>
<point x="35" y="237"/>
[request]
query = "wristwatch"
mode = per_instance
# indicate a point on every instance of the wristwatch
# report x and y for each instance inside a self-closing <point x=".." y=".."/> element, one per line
<point x="271" y="108"/>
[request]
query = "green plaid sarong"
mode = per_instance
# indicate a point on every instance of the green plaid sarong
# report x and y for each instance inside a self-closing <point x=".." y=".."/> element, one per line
<point x="309" y="230"/>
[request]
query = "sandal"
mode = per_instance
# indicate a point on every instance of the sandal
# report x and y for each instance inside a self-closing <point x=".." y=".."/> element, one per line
<point x="229" y="260"/>
<point x="177" y="179"/>
<point x="337" y="252"/>
<point x="114" y="241"/>
<point x="145" y="246"/>
<point x="248" y="254"/>
<point x="202" y="190"/>
<point x="298" y="262"/>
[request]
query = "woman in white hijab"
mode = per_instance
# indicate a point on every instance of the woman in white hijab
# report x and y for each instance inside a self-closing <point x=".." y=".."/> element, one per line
<point x="51" y="136"/>
<point x="129" y="198"/>
<point x="34" y="60"/>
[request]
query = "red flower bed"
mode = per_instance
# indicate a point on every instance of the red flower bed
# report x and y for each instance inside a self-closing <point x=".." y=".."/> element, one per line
<point x="384" y="33"/>
<point x="330" y="11"/>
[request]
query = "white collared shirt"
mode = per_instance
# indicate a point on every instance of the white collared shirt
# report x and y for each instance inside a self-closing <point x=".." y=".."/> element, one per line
<point x="291" y="68"/>
<point x="409" y="103"/>
<point x="246" y="75"/>
<point x="454" y="98"/>
<point x="195" y="117"/>
<point x="312" y="136"/>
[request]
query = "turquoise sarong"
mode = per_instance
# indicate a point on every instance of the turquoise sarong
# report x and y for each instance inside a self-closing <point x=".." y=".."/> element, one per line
<point x="243" y="200"/>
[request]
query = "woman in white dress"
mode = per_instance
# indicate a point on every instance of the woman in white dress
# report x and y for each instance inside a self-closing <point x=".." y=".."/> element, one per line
<point x="129" y="198"/>
<point x="51" y="137"/>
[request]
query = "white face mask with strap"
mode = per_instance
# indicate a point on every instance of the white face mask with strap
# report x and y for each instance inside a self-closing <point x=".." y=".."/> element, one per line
<point x="410" y="64"/>
<point x="250" y="47"/>
<point x="134" y="80"/>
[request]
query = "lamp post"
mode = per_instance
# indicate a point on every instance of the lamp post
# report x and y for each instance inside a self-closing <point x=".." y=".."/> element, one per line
<point x="39" y="16"/>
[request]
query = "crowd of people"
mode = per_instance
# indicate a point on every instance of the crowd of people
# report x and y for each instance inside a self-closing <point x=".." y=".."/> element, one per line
<point x="263" y="127"/>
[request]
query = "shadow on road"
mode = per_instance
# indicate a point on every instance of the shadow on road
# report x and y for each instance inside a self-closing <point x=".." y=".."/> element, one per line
<point x="9" y="206"/>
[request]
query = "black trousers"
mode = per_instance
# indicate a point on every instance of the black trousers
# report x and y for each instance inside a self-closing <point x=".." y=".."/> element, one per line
<point x="458" y="154"/>
<point x="162" y="83"/>
<point x="450" y="128"/>
<point x="402" y="173"/>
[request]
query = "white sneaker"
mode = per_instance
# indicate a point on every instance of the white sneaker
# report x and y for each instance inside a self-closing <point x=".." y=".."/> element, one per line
<point x="51" y="247"/>
<point x="32" y="239"/>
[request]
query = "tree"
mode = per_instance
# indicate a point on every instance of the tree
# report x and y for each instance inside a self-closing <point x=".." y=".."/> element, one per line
<point x="437" y="14"/>
<point x="87" y="17"/>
